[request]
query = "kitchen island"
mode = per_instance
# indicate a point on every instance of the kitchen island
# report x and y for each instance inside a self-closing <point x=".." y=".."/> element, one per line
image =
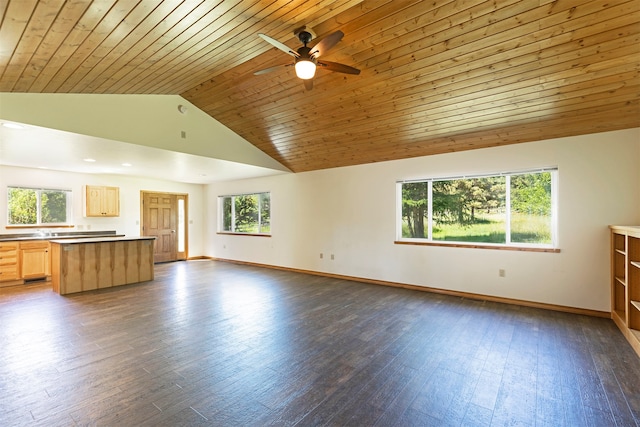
<point x="79" y="265"/>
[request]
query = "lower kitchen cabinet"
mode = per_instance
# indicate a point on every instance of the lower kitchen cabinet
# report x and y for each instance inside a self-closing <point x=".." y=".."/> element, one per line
<point x="35" y="260"/>
<point x="9" y="271"/>
<point x="24" y="260"/>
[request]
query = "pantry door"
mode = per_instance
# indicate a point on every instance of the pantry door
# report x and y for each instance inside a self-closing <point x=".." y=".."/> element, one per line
<point x="163" y="217"/>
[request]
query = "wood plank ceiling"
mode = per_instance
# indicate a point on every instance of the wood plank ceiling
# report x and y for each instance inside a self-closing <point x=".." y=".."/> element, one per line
<point x="437" y="76"/>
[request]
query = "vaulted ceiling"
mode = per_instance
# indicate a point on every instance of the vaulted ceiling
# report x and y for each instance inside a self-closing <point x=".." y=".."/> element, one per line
<point x="437" y="76"/>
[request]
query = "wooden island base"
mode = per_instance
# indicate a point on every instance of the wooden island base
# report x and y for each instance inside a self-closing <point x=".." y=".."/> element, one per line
<point x="79" y="265"/>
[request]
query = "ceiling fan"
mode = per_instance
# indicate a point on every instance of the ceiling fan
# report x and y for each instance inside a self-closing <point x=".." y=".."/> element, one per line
<point x="306" y="58"/>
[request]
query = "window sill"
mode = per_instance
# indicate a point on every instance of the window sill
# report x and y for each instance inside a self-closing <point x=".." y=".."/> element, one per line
<point x="479" y="246"/>
<point x="243" y="234"/>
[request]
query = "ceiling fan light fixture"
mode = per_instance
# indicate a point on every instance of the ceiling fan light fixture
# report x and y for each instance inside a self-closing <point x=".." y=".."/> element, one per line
<point x="305" y="69"/>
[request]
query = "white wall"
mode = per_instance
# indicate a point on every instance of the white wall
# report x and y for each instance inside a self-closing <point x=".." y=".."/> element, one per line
<point x="351" y="212"/>
<point x="128" y="222"/>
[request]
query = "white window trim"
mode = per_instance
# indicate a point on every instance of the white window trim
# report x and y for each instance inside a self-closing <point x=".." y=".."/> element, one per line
<point x="221" y="229"/>
<point x="39" y="223"/>
<point x="553" y="246"/>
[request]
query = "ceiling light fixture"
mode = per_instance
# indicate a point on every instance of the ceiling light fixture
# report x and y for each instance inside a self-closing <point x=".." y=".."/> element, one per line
<point x="305" y="68"/>
<point x="89" y="160"/>
<point x="126" y="164"/>
<point x="305" y="60"/>
<point x="182" y="109"/>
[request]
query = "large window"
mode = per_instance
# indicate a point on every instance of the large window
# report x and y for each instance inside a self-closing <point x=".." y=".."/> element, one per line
<point x="245" y="213"/>
<point x="502" y="209"/>
<point x="38" y="206"/>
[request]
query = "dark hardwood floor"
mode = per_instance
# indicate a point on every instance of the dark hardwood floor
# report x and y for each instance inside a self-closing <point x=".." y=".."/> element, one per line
<point x="220" y="344"/>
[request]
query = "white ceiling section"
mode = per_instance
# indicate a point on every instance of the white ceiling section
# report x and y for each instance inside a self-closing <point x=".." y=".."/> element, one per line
<point x="149" y="132"/>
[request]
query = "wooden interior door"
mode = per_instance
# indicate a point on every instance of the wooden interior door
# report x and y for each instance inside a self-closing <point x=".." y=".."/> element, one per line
<point x="159" y="219"/>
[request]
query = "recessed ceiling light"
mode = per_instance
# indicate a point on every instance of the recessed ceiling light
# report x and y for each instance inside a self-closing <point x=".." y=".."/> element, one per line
<point x="126" y="164"/>
<point x="13" y="126"/>
<point x="89" y="160"/>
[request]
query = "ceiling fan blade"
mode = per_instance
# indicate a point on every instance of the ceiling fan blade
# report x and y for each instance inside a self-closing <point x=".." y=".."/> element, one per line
<point x="339" y="68"/>
<point x="270" y="69"/>
<point x="308" y="84"/>
<point x="326" y="43"/>
<point x="283" y="47"/>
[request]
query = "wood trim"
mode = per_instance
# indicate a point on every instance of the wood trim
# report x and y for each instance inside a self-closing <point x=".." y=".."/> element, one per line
<point x="627" y="230"/>
<point x="632" y="337"/>
<point x="469" y="295"/>
<point x="8" y="283"/>
<point x="475" y="246"/>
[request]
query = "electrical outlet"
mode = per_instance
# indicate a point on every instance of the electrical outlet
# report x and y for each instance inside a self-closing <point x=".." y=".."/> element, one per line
<point x="331" y="257"/>
<point x="502" y="272"/>
<point x="321" y="255"/>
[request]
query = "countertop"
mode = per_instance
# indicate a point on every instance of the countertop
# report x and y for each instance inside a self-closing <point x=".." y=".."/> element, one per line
<point x="57" y="235"/>
<point x="52" y="238"/>
<point x="103" y="239"/>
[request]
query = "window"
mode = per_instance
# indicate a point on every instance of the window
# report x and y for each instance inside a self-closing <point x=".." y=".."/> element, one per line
<point x="246" y="213"/>
<point x="38" y="206"/>
<point x="502" y="209"/>
<point x="181" y="224"/>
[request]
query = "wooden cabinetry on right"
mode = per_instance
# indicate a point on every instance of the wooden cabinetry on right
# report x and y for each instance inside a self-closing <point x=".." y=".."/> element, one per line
<point x="102" y="201"/>
<point x="625" y="282"/>
<point x="633" y="282"/>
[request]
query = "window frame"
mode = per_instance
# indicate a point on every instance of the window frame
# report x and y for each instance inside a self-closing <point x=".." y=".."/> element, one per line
<point x="221" y="214"/>
<point x="509" y="245"/>
<point x="39" y="191"/>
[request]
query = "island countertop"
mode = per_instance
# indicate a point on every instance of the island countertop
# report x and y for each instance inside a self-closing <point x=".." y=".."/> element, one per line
<point x="86" y="264"/>
<point x="57" y="235"/>
<point x="101" y="239"/>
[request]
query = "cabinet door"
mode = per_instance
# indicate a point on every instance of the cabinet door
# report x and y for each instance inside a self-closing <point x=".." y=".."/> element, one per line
<point x="102" y="201"/>
<point x="111" y="201"/>
<point x="8" y="262"/>
<point x="35" y="263"/>
<point x="94" y="197"/>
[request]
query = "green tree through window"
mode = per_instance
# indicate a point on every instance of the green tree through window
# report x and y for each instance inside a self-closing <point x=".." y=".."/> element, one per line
<point x="501" y="209"/>
<point x="32" y="206"/>
<point x="246" y="213"/>
<point x="415" y="208"/>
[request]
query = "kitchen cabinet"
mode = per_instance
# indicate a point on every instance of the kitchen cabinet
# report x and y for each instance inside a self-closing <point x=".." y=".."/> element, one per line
<point x="35" y="260"/>
<point x="80" y="265"/>
<point x="9" y="271"/>
<point x="102" y="201"/>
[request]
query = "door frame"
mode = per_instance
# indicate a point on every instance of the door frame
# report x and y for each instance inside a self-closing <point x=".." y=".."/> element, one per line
<point x="180" y="255"/>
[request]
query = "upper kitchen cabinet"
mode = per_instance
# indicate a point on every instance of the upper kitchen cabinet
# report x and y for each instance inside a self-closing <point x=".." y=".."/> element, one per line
<point x="102" y="201"/>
